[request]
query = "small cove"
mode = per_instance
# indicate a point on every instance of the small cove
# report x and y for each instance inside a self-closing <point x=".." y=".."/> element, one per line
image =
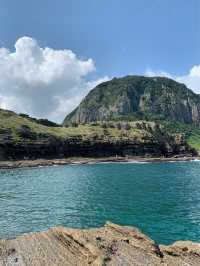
<point x="161" y="199"/>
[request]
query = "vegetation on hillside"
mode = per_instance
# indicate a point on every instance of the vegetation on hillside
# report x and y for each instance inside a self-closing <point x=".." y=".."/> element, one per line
<point x="138" y="97"/>
<point x="20" y="128"/>
<point x="190" y="132"/>
<point x="22" y="137"/>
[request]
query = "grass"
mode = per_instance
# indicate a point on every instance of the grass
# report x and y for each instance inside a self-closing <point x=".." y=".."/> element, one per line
<point x="194" y="141"/>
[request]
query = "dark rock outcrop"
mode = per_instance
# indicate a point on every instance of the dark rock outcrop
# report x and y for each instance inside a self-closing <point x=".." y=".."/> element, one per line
<point x="109" y="245"/>
<point x="53" y="147"/>
<point x="140" y="97"/>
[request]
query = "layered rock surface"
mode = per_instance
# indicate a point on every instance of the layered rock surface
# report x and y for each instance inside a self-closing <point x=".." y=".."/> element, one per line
<point x="109" y="245"/>
<point x="75" y="147"/>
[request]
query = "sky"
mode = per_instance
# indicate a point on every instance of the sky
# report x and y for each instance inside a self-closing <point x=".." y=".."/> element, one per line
<point x="53" y="52"/>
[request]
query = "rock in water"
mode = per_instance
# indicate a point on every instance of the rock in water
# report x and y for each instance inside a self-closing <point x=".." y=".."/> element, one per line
<point x="109" y="245"/>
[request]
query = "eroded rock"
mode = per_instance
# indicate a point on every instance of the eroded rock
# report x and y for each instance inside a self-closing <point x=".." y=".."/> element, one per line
<point x="109" y="245"/>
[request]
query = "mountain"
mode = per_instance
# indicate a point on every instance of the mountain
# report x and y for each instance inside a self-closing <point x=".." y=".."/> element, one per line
<point x="23" y="137"/>
<point x="138" y="97"/>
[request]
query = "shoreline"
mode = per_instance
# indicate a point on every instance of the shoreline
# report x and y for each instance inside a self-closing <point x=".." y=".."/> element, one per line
<point x="85" y="160"/>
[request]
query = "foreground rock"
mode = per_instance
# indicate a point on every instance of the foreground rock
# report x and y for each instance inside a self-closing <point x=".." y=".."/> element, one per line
<point x="108" y="245"/>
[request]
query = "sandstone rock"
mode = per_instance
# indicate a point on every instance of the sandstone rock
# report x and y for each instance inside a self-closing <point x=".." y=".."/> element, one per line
<point x="109" y="245"/>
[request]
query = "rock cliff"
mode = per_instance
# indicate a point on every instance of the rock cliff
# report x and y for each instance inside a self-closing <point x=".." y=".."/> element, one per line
<point x="138" y="97"/>
<point x="109" y="245"/>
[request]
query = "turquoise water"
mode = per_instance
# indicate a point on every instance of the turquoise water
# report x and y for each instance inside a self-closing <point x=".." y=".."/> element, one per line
<point x="162" y="199"/>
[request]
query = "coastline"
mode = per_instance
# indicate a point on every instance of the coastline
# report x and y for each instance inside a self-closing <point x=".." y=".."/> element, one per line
<point x="85" y="160"/>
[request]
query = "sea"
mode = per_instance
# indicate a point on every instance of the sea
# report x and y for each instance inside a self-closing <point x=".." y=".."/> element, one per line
<point x="161" y="199"/>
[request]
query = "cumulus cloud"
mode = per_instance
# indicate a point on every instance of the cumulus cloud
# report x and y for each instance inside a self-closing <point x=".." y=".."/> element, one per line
<point x="191" y="79"/>
<point x="158" y="73"/>
<point x="43" y="82"/>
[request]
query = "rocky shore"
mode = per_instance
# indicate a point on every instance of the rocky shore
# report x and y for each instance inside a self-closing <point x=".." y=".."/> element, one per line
<point x="82" y="160"/>
<point x="109" y="245"/>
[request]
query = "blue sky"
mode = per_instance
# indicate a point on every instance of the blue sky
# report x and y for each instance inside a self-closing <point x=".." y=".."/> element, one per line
<point x="121" y="37"/>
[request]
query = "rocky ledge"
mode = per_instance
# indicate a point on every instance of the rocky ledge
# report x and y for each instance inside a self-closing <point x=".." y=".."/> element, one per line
<point x="83" y="160"/>
<point x="108" y="245"/>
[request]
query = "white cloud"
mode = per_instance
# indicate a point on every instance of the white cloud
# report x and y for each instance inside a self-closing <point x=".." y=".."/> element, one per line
<point x="191" y="79"/>
<point x="43" y="82"/>
<point x="158" y="73"/>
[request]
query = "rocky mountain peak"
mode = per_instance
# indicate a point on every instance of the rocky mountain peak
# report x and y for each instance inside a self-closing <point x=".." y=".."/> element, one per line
<point x="138" y="97"/>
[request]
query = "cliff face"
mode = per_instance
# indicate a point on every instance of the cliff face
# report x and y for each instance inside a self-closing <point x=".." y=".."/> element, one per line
<point x="109" y="245"/>
<point x="74" y="147"/>
<point x="141" y="97"/>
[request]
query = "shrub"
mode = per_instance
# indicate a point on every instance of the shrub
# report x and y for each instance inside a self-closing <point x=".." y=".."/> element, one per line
<point x="47" y="123"/>
<point x="111" y="125"/>
<point x="74" y="124"/>
<point x="119" y="126"/>
<point x="104" y="125"/>
<point x="127" y="126"/>
<point x="94" y="124"/>
<point x="105" y="132"/>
